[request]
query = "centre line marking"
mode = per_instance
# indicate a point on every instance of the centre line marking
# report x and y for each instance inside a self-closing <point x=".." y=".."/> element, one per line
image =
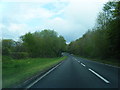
<point x="99" y="76"/>
<point x="83" y="64"/>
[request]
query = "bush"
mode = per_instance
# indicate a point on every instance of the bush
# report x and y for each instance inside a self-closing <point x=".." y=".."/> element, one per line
<point x="19" y="55"/>
<point x="5" y="51"/>
<point x="6" y="58"/>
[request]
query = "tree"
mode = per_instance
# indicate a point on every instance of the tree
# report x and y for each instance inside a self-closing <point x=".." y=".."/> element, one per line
<point x="103" y="40"/>
<point x="44" y="44"/>
<point x="113" y="28"/>
<point x="7" y="46"/>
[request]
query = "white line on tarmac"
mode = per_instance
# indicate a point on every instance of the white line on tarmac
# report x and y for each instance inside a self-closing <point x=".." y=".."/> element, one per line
<point x="75" y="59"/>
<point x="43" y="76"/>
<point x="99" y="76"/>
<point x="83" y="64"/>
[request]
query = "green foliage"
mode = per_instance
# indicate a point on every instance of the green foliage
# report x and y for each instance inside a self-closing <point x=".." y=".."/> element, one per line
<point x="5" y="51"/>
<point x="103" y="40"/>
<point x="113" y="29"/>
<point x="44" y="44"/>
<point x="19" y="55"/>
<point x="92" y="44"/>
<point x="19" y="47"/>
<point x="7" y="46"/>
<point x="6" y="58"/>
<point x="7" y="43"/>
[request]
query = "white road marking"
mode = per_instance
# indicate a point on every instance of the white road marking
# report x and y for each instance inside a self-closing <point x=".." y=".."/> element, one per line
<point x="43" y="76"/>
<point x="101" y="63"/>
<point x="75" y="59"/>
<point x="78" y="61"/>
<point x="83" y="64"/>
<point x="99" y="76"/>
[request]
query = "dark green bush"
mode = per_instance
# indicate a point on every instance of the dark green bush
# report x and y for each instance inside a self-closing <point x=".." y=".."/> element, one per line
<point x="19" y="55"/>
<point x="5" y="51"/>
<point x="6" y="58"/>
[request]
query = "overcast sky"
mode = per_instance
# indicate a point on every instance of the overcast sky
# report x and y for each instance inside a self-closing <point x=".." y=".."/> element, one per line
<point x="70" y="18"/>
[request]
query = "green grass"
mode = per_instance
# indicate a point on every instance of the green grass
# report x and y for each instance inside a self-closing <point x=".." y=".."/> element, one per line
<point x="113" y="62"/>
<point x="17" y="71"/>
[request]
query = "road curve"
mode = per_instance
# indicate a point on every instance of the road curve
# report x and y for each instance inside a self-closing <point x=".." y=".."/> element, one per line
<point x="76" y="72"/>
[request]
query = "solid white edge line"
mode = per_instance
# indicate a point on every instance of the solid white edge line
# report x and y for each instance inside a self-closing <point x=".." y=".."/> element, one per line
<point x="83" y="64"/>
<point x="99" y="76"/>
<point x="43" y="76"/>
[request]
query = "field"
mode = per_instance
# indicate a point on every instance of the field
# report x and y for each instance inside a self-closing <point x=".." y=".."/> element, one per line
<point x="16" y="71"/>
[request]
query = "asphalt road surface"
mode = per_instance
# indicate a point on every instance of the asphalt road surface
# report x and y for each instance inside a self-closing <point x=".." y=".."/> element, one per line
<point x="76" y="72"/>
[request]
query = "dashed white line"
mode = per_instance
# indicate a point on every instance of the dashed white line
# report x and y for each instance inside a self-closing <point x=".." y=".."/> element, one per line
<point x="75" y="59"/>
<point x="99" y="76"/>
<point x="83" y="64"/>
<point x="43" y="76"/>
<point x="79" y="61"/>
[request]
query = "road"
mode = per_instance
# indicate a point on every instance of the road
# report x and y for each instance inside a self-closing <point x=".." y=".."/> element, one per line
<point x="76" y="72"/>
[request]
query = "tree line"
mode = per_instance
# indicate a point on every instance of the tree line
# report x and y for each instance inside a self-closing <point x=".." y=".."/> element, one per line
<point x="46" y="43"/>
<point x="102" y="41"/>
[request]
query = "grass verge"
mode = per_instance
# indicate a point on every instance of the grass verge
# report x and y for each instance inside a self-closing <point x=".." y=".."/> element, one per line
<point x="16" y="71"/>
<point x="113" y="62"/>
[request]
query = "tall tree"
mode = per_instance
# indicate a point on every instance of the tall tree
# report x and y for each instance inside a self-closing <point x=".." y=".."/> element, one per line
<point x="44" y="44"/>
<point x="103" y="40"/>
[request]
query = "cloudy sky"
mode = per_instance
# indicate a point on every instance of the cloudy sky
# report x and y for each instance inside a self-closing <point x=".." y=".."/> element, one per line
<point x="70" y="18"/>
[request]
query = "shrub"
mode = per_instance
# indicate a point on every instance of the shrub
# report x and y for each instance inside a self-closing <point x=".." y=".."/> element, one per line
<point x="6" y="58"/>
<point x="19" y="55"/>
<point x="5" y="51"/>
